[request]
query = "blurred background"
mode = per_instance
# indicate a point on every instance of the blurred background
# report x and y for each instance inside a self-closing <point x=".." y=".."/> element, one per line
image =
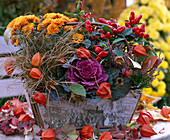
<point x="156" y="16"/>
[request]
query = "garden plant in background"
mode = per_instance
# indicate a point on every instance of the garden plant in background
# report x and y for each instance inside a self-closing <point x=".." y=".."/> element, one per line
<point x="157" y="23"/>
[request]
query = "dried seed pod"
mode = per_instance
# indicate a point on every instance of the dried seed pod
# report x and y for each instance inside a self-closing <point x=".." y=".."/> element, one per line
<point x="35" y="73"/>
<point x="37" y="60"/>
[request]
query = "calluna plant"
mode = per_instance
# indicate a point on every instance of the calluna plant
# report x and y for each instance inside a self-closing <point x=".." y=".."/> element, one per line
<point x="78" y="58"/>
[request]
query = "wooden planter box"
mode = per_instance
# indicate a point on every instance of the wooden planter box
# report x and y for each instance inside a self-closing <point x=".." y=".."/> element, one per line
<point x="81" y="112"/>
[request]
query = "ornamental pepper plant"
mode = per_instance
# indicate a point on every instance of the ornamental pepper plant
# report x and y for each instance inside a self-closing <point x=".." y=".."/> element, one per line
<point x="73" y="57"/>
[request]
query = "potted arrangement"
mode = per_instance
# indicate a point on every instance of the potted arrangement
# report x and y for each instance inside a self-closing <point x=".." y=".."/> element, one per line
<point x="79" y="69"/>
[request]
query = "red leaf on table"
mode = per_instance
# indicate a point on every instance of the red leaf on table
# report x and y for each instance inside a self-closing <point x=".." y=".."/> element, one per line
<point x="14" y="121"/>
<point x="39" y="133"/>
<point x="162" y="131"/>
<point x="105" y="136"/>
<point x="21" y="126"/>
<point x="147" y="131"/>
<point x="40" y="98"/>
<point x="5" y="128"/>
<point x="143" y="119"/>
<point x="48" y="134"/>
<point x="165" y="111"/>
<point x="116" y="133"/>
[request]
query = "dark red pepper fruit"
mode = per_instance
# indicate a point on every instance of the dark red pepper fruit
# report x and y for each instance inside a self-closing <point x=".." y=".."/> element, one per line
<point x="114" y="31"/>
<point x="102" y="36"/>
<point x="97" y="49"/>
<point x="88" y="26"/>
<point x="115" y="25"/>
<point x="146" y="36"/>
<point x="127" y="24"/>
<point x="142" y="28"/>
<point x="138" y="18"/>
<point x="127" y="73"/>
<point x="132" y="15"/>
<point x="93" y="37"/>
<point x="102" y="54"/>
<point x="102" y="20"/>
<point x="132" y="21"/>
<point x="120" y="29"/>
<point x="98" y="58"/>
<point x="108" y="35"/>
<point x="141" y="34"/>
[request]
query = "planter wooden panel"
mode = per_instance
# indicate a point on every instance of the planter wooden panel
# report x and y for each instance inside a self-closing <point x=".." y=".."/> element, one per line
<point x="81" y="112"/>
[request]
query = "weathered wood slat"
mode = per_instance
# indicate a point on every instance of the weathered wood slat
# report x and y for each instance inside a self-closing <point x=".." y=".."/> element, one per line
<point x="11" y="87"/>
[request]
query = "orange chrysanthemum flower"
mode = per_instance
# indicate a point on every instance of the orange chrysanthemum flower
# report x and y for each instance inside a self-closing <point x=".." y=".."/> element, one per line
<point x="52" y="29"/>
<point x="68" y="28"/>
<point x="46" y="22"/>
<point x="78" y="37"/>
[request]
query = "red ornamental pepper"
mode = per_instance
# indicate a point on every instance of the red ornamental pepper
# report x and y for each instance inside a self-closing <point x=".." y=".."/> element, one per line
<point x="138" y="18"/>
<point x="127" y="24"/>
<point x="132" y="15"/>
<point x="102" y="36"/>
<point x="108" y="35"/>
<point x="83" y="53"/>
<point x="115" y="25"/>
<point x="93" y="37"/>
<point x="97" y="49"/>
<point x="142" y="28"/>
<point x="114" y="31"/>
<point x="127" y="73"/>
<point x="105" y="136"/>
<point x="132" y="21"/>
<point x="87" y="15"/>
<point x="98" y="59"/>
<point x="146" y="36"/>
<point x="141" y="34"/>
<point x="102" y="54"/>
<point x="120" y="29"/>
<point x="102" y="20"/>
<point x="139" y="50"/>
<point x="88" y="26"/>
<point x="40" y="98"/>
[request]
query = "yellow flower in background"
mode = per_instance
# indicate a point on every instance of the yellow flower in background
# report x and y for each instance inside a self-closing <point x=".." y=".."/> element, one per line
<point x="168" y="40"/>
<point x="164" y="64"/>
<point x="155" y="83"/>
<point x="164" y="45"/>
<point x="68" y="28"/>
<point x="78" y="37"/>
<point x="46" y="22"/>
<point x="161" y="92"/>
<point x="161" y="75"/>
<point x="162" y="85"/>
<point x="147" y="91"/>
<point x="154" y="94"/>
<point x="167" y="55"/>
<point x="156" y="44"/>
<point x="154" y="34"/>
<point x="144" y="1"/>
<point x="166" y="27"/>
